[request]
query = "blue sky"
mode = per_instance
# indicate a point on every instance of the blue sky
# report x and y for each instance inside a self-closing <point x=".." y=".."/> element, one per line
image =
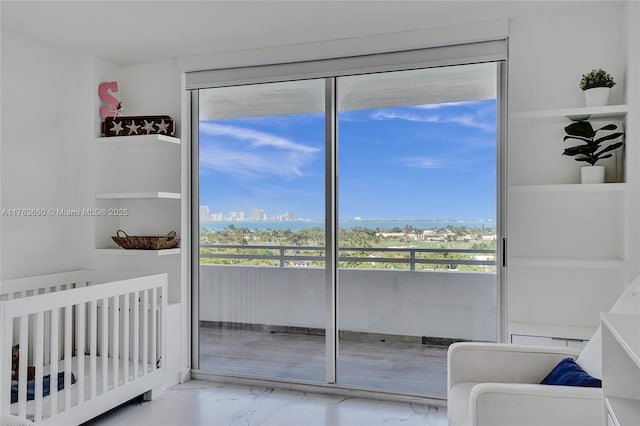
<point x="418" y="162"/>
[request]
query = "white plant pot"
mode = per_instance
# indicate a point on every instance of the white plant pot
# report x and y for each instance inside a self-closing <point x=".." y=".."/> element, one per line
<point x="592" y="174"/>
<point x="598" y="96"/>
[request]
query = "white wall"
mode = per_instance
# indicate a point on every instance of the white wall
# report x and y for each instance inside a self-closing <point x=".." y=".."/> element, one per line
<point x="632" y="12"/>
<point x="151" y="89"/>
<point x="548" y="53"/>
<point x="45" y="157"/>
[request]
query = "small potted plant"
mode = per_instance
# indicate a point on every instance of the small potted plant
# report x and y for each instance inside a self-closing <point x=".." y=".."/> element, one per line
<point x="596" y="86"/>
<point x="593" y="148"/>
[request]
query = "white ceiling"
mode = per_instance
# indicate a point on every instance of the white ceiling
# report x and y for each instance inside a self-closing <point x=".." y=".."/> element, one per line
<point x="130" y="32"/>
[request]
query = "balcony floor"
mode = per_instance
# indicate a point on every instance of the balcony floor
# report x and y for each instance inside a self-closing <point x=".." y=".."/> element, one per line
<point x="395" y="366"/>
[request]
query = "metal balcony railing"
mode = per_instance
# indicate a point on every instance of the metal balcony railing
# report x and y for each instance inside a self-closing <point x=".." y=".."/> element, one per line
<point x="299" y="255"/>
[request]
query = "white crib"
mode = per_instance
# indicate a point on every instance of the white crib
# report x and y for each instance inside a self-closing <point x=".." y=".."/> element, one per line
<point x="105" y="330"/>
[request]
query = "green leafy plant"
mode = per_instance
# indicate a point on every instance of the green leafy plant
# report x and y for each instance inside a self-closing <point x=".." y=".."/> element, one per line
<point x="596" y="78"/>
<point x="592" y="150"/>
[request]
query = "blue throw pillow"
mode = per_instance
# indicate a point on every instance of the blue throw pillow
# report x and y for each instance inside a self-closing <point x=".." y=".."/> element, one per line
<point x="568" y="373"/>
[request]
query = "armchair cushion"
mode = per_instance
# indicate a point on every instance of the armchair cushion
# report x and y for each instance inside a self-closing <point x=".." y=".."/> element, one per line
<point x="568" y="373"/>
<point x="502" y="362"/>
<point x="510" y="404"/>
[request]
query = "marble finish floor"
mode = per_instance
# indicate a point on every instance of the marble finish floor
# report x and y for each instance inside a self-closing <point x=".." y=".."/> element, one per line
<point x="395" y="366"/>
<point x="203" y="403"/>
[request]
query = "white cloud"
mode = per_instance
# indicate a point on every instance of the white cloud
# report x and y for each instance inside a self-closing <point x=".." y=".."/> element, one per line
<point x="467" y="120"/>
<point x="391" y="115"/>
<point x="470" y="121"/>
<point x="254" y="137"/>
<point x="251" y="153"/>
<point x="424" y="162"/>
<point x="447" y="104"/>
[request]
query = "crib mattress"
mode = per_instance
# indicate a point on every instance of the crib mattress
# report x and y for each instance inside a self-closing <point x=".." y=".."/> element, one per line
<point x="88" y="381"/>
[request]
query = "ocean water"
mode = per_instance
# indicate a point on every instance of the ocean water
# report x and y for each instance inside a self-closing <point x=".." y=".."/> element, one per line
<point x="365" y="223"/>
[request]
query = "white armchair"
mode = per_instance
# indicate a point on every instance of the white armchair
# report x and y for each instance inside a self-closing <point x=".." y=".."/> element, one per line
<point x="493" y="384"/>
<point x="496" y="384"/>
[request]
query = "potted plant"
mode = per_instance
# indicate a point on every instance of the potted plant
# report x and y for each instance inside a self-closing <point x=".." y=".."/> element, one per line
<point x="593" y="148"/>
<point x="596" y="86"/>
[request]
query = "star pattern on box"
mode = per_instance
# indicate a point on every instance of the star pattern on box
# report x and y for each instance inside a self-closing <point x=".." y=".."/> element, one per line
<point x="162" y="127"/>
<point x="133" y="128"/>
<point x="149" y="126"/>
<point x="138" y="125"/>
<point x="117" y="127"/>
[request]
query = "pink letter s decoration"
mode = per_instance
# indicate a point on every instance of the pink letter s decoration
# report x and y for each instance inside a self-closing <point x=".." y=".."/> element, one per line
<point x="107" y="98"/>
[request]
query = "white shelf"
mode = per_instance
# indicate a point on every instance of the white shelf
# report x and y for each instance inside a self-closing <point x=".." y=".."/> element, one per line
<point x="609" y="111"/>
<point x="625" y="328"/>
<point x="128" y="252"/>
<point x="624" y="411"/>
<point x="566" y="262"/>
<point x="138" y="139"/>
<point x="582" y="188"/>
<point x="137" y="195"/>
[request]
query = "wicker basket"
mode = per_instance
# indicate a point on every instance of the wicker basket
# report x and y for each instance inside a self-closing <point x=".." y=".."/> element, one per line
<point x="171" y="240"/>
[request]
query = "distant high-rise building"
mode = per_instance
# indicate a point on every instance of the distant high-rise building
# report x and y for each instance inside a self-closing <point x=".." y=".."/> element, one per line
<point x="258" y="215"/>
<point x="236" y="216"/>
<point x="205" y="215"/>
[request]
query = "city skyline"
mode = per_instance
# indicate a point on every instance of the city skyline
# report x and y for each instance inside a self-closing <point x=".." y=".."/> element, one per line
<point x="421" y="161"/>
<point x="206" y="215"/>
<point x="257" y="215"/>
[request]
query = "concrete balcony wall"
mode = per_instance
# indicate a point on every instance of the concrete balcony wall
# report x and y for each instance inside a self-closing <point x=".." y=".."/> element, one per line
<point x="414" y="303"/>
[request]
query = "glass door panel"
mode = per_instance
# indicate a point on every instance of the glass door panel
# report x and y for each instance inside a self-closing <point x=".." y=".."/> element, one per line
<point x="262" y="231"/>
<point x="417" y="223"/>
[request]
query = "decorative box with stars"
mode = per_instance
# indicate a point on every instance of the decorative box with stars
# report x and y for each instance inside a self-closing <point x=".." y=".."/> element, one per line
<point x="138" y="125"/>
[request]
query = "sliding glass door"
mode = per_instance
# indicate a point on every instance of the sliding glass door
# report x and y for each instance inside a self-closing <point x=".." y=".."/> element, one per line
<point x="261" y="276"/>
<point x="348" y="226"/>
<point x="417" y="204"/>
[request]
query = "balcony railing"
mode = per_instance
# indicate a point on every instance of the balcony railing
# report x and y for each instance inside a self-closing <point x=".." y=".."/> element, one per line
<point x="284" y="256"/>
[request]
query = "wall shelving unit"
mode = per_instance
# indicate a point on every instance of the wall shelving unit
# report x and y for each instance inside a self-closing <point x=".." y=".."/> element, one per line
<point x="137" y="195"/>
<point x="138" y="139"/>
<point x="129" y="252"/>
<point x="564" y="238"/>
<point x="567" y="188"/>
<point x="136" y="170"/>
<point x="601" y="112"/>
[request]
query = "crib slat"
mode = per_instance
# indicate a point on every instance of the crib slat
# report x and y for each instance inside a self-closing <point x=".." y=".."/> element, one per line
<point x="22" y="367"/>
<point x="145" y="330"/>
<point x="55" y="357"/>
<point x="93" y="338"/>
<point x="81" y="318"/>
<point x="38" y="349"/>
<point x="68" y="332"/>
<point x="47" y="336"/>
<point x="5" y="377"/>
<point x="154" y="328"/>
<point x="115" y="349"/>
<point x="136" y="334"/>
<point x="125" y="337"/>
<point x="104" y="346"/>
<point x="163" y="326"/>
